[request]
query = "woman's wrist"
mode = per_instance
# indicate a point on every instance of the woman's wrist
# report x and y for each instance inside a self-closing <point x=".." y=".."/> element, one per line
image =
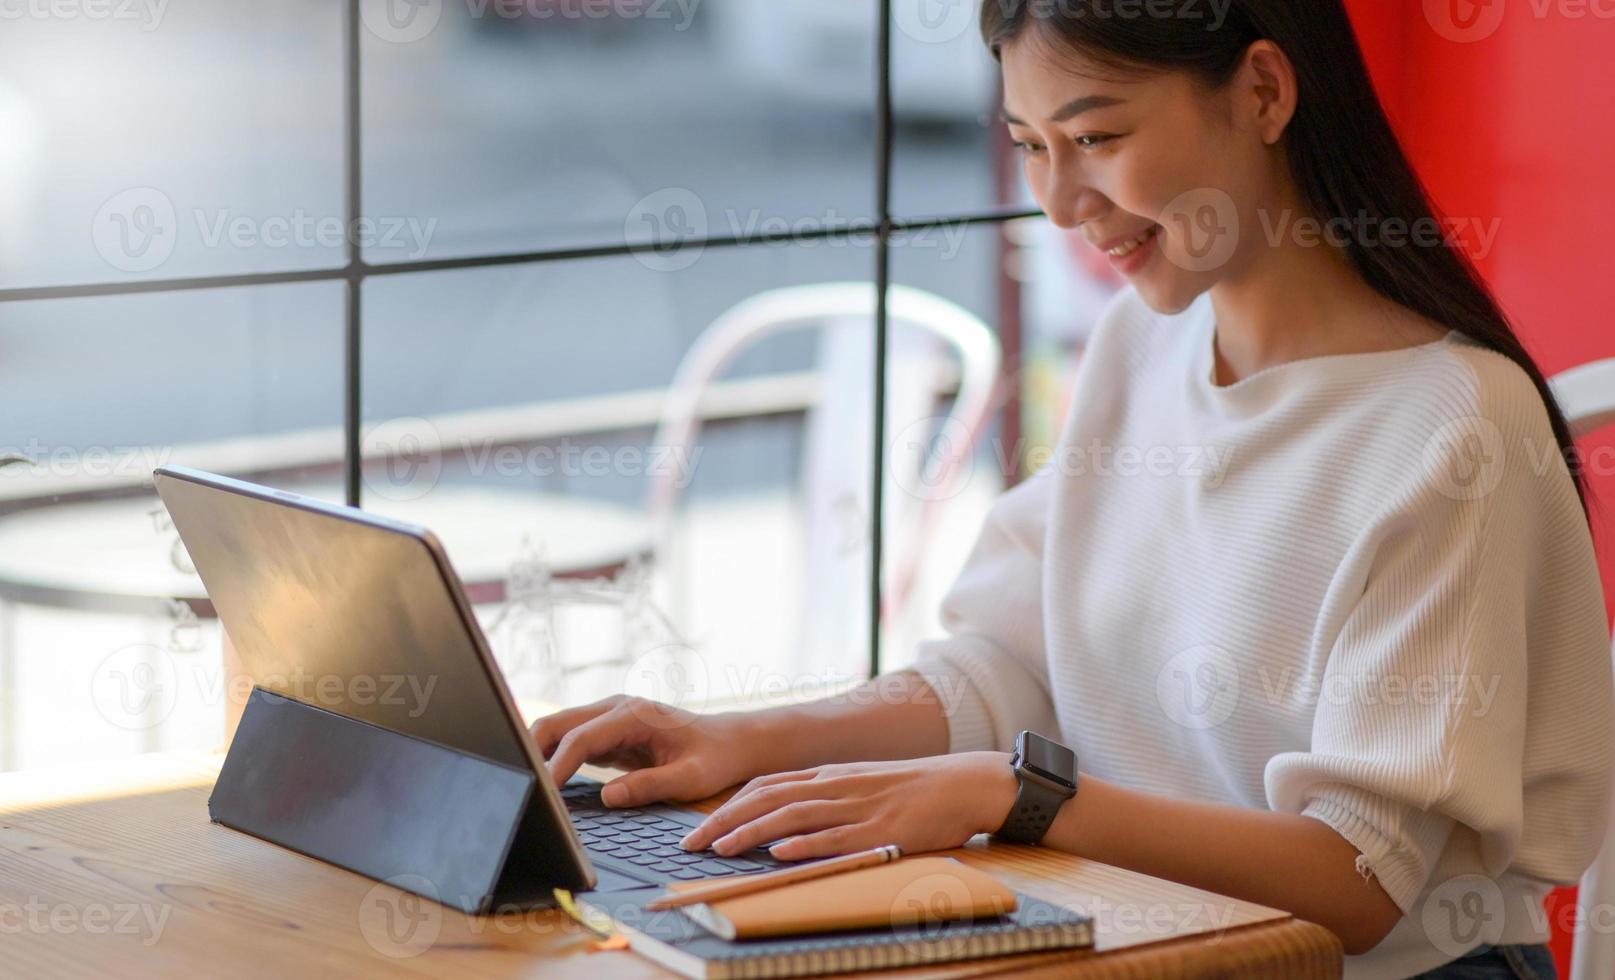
<point x="759" y="740"/>
<point x="991" y="779"/>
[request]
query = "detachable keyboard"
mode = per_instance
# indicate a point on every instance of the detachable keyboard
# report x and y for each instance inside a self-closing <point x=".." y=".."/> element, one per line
<point x="644" y="841"/>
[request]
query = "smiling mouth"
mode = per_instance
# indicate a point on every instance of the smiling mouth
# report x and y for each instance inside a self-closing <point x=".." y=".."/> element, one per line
<point x="1134" y="244"/>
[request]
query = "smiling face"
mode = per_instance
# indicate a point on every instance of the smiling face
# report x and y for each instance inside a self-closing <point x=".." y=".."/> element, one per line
<point x="1158" y="170"/>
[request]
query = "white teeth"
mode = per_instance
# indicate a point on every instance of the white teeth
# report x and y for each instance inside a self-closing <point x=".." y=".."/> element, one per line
<point x="1129" y="247"/>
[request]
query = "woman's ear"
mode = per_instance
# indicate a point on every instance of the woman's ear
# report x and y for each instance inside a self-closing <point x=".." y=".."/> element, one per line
<point x="1266" y="84"/>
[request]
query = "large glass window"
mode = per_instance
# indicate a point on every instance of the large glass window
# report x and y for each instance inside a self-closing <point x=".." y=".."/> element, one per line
<point x="598" y="290"/>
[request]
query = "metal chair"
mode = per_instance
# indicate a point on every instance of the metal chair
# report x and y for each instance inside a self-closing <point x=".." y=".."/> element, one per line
<point x="1587" y="395"/>
<point x="925" y="329"/>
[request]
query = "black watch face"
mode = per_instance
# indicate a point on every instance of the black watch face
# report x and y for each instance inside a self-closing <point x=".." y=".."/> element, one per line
<point x="1050" y="760"/>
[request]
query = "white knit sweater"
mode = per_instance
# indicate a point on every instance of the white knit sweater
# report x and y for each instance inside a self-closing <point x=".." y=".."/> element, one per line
<point x="1359" y="588"/>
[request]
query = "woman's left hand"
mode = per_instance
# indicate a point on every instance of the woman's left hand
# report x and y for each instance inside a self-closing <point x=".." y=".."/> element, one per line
<point x="918" y="804"/>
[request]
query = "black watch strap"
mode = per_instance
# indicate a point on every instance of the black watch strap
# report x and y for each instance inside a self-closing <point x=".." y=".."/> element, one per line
<point x="1036" y="806"/>
<point x="1037" y="803"/>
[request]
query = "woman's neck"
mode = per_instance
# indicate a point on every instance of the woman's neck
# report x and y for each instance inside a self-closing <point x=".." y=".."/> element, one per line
<point x="1295" y="301"/>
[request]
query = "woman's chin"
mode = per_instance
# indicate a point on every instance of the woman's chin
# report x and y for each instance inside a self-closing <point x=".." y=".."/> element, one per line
<point x="1165" y="298"/>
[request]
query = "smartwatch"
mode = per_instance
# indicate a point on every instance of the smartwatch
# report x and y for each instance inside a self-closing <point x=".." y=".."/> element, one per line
<point x="1047" y="773"/>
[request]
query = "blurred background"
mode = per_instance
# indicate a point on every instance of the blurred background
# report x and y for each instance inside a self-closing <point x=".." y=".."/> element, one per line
<point x="612" y="294"/>
<point x="653" y="469"/>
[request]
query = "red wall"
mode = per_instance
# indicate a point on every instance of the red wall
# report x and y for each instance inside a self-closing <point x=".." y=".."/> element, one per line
<point x="1519" y="125"/>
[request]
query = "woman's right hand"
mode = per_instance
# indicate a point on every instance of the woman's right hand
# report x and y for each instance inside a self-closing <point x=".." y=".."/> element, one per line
<point x="670" y="753"/>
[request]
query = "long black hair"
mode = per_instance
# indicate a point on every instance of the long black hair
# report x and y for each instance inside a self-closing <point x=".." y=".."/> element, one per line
<point x="1344" y="156"/>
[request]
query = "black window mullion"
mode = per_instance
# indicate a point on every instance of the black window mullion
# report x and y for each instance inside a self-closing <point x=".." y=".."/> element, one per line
<point x="353" y="405"/>
<point x="883" y="260"/>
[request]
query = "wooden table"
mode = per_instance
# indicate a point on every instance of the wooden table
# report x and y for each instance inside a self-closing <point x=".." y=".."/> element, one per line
<point x="114" y="870"/>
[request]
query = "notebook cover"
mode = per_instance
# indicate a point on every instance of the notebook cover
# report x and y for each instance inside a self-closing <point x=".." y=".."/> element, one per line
<point x="904" y="892"/>
<point x="676" y="941"/>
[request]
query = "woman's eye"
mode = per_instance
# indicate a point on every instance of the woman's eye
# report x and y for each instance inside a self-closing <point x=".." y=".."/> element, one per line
<point x="1090" y="140"/>
<point x="1027" y="148"/>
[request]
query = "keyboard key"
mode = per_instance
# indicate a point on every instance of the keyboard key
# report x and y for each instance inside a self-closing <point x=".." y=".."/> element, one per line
<point x="687" y="874"/>
<point x="665" y="867"/>
<point x="685" y="858"/>
<point x="646" y="859"/>
<point x="741" y="864"/>
<point x="714" y="867"/>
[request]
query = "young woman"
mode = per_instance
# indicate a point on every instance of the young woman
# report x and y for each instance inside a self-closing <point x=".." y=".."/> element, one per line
<point x="1308" y="587"/>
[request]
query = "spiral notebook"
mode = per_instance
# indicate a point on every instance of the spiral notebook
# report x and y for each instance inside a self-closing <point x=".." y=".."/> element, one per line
<point x="676" y="939"/>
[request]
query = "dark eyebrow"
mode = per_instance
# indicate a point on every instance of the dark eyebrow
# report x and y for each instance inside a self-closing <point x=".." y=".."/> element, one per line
<point x="1072" y="109"/>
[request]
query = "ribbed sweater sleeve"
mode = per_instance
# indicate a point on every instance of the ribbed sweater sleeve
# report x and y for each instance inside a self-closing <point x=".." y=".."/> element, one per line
<point x="1433" y="715"/>
<point x="991" y="672"/>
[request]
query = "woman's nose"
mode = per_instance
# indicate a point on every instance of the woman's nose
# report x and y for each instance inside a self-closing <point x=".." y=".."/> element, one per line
<point x="1068" y="200"/>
